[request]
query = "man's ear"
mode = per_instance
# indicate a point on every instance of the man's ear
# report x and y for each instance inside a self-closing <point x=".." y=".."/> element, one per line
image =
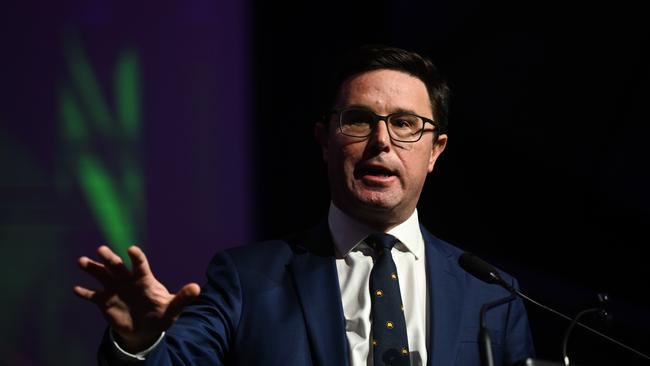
<point x="321" y="132"/>
<point x="437" y="149"/>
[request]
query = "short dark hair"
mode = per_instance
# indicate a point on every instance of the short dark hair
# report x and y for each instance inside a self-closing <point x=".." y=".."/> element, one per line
<point x="376" y="57"/>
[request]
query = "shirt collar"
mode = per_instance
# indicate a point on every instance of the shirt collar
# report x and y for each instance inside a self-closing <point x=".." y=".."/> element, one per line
<point x="348" y="232"/>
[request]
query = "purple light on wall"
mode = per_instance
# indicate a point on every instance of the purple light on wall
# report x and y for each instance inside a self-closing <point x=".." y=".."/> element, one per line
<point x="194" y="77"/>
<point x="197" y="128"/>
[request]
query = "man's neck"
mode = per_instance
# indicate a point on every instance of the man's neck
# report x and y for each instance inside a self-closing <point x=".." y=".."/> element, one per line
<point x="377" y="220"/>
<point x="347" y="232"/>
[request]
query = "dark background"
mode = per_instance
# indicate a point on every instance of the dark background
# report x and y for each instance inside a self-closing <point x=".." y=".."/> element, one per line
<point x="545" y="173"/>
<point x="546" y="170"/>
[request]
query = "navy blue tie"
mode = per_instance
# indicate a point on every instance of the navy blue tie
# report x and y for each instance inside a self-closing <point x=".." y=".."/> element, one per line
<point x="390" y="340"/>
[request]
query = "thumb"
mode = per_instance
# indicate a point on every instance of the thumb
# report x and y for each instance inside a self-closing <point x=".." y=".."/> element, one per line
<point x="183" y="297"/>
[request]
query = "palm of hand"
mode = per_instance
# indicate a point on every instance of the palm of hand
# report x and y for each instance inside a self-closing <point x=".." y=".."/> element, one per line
<point x="136" y="305"/>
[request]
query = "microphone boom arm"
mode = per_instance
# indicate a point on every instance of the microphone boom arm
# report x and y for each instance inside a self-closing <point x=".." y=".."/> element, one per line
<point x="485" y="342"/>
<point x="487" y="273"/>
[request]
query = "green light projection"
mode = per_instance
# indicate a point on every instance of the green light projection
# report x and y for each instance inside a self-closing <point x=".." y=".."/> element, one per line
<point x="102" y="144"/>
<point x="87" y="86"/>
<point x="127" y="93"/>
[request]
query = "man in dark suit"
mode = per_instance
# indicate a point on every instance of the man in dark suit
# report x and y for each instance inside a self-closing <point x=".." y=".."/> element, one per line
<point x="367" y="286"/>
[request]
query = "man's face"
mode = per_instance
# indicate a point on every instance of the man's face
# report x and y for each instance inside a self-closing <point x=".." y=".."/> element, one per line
<point x="374" y="179"/>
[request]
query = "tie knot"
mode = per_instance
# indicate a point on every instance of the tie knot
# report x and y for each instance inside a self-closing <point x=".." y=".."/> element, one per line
<point x="381" y="241"/>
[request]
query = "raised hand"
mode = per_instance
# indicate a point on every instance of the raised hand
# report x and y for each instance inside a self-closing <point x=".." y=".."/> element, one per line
<point x="136" y="305"/>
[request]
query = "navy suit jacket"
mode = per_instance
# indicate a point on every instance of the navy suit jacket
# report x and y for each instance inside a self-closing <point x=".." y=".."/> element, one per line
<point x="279" y="303"/>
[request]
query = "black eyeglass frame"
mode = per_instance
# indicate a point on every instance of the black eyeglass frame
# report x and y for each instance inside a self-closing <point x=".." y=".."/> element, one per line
<point x="376" y="118"/>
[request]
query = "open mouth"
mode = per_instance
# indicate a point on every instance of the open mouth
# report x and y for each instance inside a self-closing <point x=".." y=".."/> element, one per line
<point x="373" y="172"/>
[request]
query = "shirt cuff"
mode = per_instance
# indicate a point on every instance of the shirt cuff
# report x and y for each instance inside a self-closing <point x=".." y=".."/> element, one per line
<point x="140" y="356"/>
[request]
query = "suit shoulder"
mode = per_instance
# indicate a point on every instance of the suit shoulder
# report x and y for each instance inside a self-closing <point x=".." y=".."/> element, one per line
<point x="315" y="240"/>
<point x="442" y="247"/>
<point x="259" y="252"/>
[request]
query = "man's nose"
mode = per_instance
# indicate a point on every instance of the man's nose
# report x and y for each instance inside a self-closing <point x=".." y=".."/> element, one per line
<point x="380" y="136"/>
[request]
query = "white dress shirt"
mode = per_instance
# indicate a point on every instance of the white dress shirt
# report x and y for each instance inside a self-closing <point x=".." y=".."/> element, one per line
<point x="354" y="261"/>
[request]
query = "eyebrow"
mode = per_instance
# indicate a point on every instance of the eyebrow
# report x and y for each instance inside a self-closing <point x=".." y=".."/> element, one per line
<point x="398" y="110"/>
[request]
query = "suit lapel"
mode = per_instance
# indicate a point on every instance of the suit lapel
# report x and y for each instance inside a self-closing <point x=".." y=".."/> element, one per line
<point x="314" y="273"/>
<point x="313" y="269"/>
<point x="445" y="298"/>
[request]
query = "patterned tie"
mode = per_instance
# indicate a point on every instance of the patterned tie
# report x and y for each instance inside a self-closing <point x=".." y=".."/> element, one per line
<point x="390" y="341"/>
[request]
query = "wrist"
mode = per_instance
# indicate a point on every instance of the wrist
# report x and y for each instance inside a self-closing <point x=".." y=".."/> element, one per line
<point x="135" y="343"/>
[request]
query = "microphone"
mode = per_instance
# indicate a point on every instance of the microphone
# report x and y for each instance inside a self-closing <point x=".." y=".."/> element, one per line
<point x="482" y="270"/>
<point x="487" y="273"/>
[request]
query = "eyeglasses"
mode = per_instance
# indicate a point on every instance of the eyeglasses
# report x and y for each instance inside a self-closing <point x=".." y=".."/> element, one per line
<point x="402" y="127"/>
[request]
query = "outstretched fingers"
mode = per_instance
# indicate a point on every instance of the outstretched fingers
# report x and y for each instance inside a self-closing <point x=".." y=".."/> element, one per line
<point x="87" y="294"/>
<point x="97" y="270"/>
<point x="183" y="297"/>
<point x="113" y="262"/>
<point x="139" y="260"/>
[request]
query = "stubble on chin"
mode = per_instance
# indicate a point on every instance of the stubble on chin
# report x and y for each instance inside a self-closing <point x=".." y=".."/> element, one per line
<point x="376" y="208"/>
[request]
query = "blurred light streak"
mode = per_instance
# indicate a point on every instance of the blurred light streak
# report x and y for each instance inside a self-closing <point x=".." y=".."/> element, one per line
<point x="110" y="211"/>
<point x="71" y="118"/>
<point x="86" y="83"/>
<point x="127" y="93"/>
<point x="103" y="152"/>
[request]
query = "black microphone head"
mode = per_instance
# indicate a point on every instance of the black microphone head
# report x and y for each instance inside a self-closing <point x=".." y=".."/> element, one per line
<point x="481" y="269"/>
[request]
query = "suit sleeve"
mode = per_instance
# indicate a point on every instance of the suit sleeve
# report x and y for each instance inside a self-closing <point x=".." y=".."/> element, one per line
<point x="205" y="330"/>
<point x="519" y="341"/>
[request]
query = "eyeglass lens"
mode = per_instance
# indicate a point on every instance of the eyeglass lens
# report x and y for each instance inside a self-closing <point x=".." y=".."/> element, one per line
<point x="361" y="122"/>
